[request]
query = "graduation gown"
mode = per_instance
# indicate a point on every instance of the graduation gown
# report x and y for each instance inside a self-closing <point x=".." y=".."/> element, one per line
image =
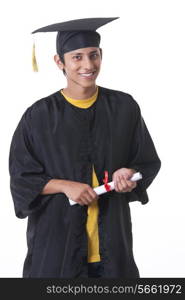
<point x="55" y="139"/>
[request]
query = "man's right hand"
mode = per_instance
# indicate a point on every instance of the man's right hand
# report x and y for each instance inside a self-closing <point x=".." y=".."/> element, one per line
<point x="79" y="192"/>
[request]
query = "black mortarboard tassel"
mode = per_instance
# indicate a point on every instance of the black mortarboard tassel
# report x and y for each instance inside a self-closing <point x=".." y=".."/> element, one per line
<point x="76" y="34"/>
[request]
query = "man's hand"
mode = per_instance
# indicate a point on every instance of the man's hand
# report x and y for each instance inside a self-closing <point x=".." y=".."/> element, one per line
<point x="79" y="192"/>
<point x="121" y="180"/>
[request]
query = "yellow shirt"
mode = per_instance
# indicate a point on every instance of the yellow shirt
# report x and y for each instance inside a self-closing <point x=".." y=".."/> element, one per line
<point x="93" y="209"/>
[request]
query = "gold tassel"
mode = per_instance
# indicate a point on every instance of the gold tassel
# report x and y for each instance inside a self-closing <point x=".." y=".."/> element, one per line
<point x="34" y="61"/>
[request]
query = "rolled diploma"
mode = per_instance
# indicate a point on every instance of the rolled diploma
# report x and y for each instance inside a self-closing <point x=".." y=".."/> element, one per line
<point x="101" y="189"/>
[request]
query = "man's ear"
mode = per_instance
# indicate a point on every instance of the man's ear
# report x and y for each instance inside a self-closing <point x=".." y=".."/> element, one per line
<point x="58" y="61"/>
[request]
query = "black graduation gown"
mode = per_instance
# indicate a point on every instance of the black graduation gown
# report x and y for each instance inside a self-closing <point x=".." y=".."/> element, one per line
<point x="55" y="139"/>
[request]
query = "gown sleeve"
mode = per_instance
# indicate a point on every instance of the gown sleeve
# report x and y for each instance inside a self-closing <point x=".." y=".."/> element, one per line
<point x="143" y="158"/>
<point x="27" y="174"/>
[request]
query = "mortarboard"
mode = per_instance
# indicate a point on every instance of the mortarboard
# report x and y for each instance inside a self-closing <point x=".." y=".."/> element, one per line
<point x="74" y="34"/>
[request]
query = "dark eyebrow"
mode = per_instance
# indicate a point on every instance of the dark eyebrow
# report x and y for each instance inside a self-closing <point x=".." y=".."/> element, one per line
<point x="78" y="53"/>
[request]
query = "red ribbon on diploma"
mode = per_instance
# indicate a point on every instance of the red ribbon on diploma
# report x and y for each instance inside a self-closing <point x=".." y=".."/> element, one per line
<point x="105" y="180"/>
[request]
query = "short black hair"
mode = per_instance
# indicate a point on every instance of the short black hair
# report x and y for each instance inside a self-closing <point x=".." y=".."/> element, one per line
<point x="63" y="61"/>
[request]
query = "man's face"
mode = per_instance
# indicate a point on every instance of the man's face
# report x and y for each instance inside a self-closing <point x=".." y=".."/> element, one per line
<point x="82" y="66"/>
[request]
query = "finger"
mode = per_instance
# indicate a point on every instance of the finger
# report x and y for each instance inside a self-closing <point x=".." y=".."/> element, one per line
<point x="93" y="195"/>
<point x="129" y="190"/>
<point x="124" y="182"/>
<point x="89" y="196"/>
<point x="131" y="184"/>
<point x="79" y="201"/>
<point x="115" y="180"/>
<point x="124" y="185"/>
<point x="117" y="183"/>
<point x="84" y="199"/>
<point x="116" y="187"/>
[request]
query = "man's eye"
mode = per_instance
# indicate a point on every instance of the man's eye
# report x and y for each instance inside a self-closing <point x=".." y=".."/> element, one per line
<point x="76" y="57"/>
<point x="94" y="55"/>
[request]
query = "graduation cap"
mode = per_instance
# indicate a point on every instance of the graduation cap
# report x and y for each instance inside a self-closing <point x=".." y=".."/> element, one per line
<point x="74" y="34"/>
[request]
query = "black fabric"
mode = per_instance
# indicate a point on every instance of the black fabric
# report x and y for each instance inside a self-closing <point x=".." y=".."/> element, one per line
<point x="76" y="34"/>
<point x="55" y="139"/>
<point x="69" y="41"/>
<point x="95" y="269"/>
<point x="90" y="24"/>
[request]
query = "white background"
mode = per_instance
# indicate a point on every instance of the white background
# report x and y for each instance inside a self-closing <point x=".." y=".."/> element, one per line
<point x="144" y="55"/>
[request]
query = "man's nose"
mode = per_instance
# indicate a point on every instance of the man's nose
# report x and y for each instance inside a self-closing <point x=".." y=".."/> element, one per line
<point x="87" y="63"/>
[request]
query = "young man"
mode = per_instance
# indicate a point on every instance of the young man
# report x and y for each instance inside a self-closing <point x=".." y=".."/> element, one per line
<point x="61" y="149"/>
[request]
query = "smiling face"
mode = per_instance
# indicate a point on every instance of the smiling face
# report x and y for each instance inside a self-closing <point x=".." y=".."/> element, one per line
<point x="81" y="66"/>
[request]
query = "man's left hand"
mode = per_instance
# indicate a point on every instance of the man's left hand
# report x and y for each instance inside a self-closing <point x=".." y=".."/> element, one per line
<point x="122" y="181"/>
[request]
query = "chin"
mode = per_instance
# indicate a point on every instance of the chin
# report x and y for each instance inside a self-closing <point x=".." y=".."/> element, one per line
<point x="87" y="84"/>
<point x="83" y="83"/>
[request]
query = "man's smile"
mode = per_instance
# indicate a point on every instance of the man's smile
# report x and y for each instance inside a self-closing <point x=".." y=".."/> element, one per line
<point x="88" y="75"/>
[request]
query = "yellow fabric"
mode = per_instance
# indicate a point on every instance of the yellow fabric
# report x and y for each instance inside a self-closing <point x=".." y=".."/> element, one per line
<point x="34" y="61"/>
<point x="92" y="226"/>
<point x="85" y="103"/>
<point x="93" y="209"/>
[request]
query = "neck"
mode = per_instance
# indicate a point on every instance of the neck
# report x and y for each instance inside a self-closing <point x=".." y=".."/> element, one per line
<point x="80" y="92"/>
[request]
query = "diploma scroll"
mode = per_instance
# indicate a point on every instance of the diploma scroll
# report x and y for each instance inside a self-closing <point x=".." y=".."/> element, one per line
<point x="102" y="189"/>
